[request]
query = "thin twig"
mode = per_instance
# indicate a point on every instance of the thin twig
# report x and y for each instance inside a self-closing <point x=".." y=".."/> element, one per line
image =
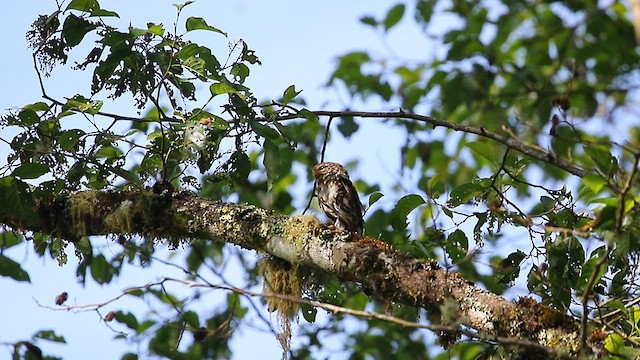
<point x="325" y="140"/>
<point x="334" y="309"/>
<point x="511" y="143"/>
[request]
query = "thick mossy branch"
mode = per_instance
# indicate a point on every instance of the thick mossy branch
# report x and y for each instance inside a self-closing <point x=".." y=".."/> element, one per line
<point x="302" y="240"/>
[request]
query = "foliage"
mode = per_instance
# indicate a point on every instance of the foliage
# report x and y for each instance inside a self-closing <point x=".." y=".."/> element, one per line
<point x="556" y="81"/>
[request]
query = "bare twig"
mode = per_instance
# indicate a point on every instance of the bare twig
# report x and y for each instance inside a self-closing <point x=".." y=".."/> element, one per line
<point x="334" y="309"/>
<point x="510" y="142"/>
<point x="102" y="113"/>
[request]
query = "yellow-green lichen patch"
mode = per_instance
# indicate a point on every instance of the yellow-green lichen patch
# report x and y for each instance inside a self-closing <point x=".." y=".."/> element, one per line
<point x="296" y="231"/>
<point x="121" y="219"/>
<point x="281" y="278"/>
<point x="82" y="207"/>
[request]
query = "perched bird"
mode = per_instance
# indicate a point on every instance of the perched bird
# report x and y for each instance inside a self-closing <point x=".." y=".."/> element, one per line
<point x="337" y="197"/>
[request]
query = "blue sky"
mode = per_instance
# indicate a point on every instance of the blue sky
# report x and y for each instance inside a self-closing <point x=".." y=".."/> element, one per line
<point x="297" y="43"/>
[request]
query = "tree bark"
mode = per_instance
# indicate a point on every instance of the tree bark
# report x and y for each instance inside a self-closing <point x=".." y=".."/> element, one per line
<point x="303" y="240"/>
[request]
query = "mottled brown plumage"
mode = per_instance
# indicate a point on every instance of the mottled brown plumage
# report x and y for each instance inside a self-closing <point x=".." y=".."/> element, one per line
<point x="337" y="197"/>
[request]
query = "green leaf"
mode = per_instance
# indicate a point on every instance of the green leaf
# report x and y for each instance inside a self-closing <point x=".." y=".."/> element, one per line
<point x="15" y="200"/>
<point x="369" y="20"/>
<point x="375" y="197"/>
<point x="594" y="182"/>
<point x="613" y="343"/>
<point x="566" y="257"/>
<point x="398" y="216"/>
<point x="12" y="269"/>
<point x="70" y="139"/>
<point x="509" y="268"/>
<point x="545" y="206"/>
<point x="84" y="105"/>
<point x="240" y="71"/>
<point x="590" y="267"/>
<point x="221" y="88"/>
<point x="198" y="23"/>
<point x="135" y="292"/>
<point x="30" y="170"/>
<point x="101" y="270"/>
<point x="155" y="29"/>
<point x="393" y="16"/>
<point x="9" y="239"/>
<point x="347" y="126"/>
<point x="75" y="28"/>
<point x="90" y="6"/>
<point x="109" y="152"/>
<point x="128" y="319"/>
<point x="477" y="229"/>
<point x="289" y="94"/>
<point x="145" y="325"/>
<point x="182" y="6"/>
<point x="265" y="131"/>
<point x="191" y="318"/>
<point x="309" y="313"/>
<point x="28" y="117"/>
<point x="277" y="161"/>
<point x="486" y="150"/>
<point x="49" y="335"/>
<point x="104" y="13"/>
<point x="309" y="115"/>
<point x="463" y="193"/>
<point x="457" y="245"/>
<point x="83" y="5"/>
<point x="424" y="10"/>
<point x="605" y="162"/>
<point x="39" y="106"/>
<point x="33" y="352"/>
<point x="219" y="123"/>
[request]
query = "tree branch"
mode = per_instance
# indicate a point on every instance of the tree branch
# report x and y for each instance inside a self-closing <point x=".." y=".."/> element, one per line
<point x="302" y="240"/>
<point x="511" y="143"/>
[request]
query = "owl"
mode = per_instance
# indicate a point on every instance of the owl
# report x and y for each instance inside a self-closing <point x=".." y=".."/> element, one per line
<point x="337" y="197"/>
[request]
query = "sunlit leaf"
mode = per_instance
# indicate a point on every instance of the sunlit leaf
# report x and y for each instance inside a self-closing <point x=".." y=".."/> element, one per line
<point x="594" y="182"/>
<point x="613" y="343"/>
<point x="38" y="106"/>
<point x="198" y="23"/>
<point x="309" y="115"/>
<point x="9" y="239"/>
<point x="486" y="150"/>
<point x="603" y="159"/>
<point x="221" y="88"/>
<point x="289" y="94"/>
<point x="463" y="193"/>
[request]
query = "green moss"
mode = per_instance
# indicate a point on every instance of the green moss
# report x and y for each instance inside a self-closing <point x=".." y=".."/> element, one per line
<point x="82" y="207"/>
<point x="121" y="219"/>
<point x="280" y="277"/>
